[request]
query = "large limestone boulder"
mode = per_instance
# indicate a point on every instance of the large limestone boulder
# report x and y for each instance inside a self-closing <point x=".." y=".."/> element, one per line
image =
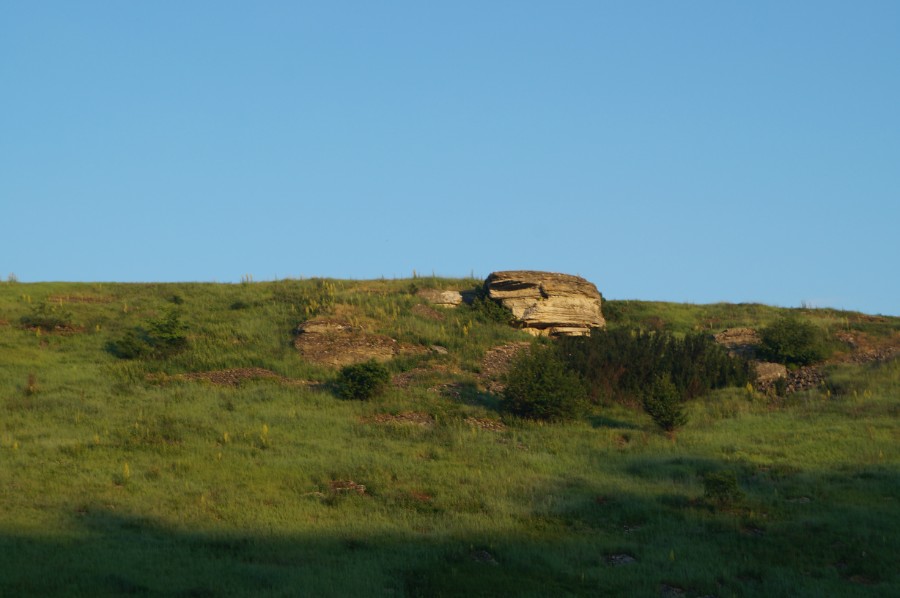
<point x="547" y="303"/>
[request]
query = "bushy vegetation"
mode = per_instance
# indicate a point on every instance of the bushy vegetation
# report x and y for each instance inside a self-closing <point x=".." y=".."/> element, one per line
<point x="791" y="341"/>
<point x="363" y="381"/>
<point x="47" y="317"/>
<point x="721" y="487"/>
<point x="158" y="338"/>
<point x="540" y="386"/>
<point x="665" y="405"/>
<point x="623" y="365"/>
<point x="488" y="310"/>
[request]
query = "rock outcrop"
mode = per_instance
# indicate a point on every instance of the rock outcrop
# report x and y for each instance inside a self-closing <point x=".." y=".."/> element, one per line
<point x="441" y="298"/>
<point x="740" y="341"/>
<point x="547" y="303"/>
<point x="767" y="373"/>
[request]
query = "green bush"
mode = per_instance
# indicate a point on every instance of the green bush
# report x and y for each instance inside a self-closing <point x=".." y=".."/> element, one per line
<point x="792" y="341"/>
<point x="363" y="381"/>
<point x="663" y="403"/>
<point x="47" y="316"/>
<point x="540" y="386"/>
<point x="160" y="338"/>
<point x="488" y="310"/>
<point x="722" y="487"/>
<point x="624" y="365"/>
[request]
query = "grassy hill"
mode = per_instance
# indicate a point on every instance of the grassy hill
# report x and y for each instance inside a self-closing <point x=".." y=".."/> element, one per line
<point x="232" y="467"/>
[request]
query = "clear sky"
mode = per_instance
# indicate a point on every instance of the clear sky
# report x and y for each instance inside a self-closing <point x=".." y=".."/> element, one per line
<point x="685" y="151"/>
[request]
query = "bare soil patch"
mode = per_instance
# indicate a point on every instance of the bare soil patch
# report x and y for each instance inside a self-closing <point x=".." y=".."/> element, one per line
<point x="422" y="374"/>
<point x="66" y="330"/>
<point x="497" y="362"/>
<point x="863" y="348"/>
<point x="346" y="487"/>
<point x="416" y="418"/>
<point x="484" y="423"/>
<point x="425" y="311"/>
<point x="234" y="376"/>
<point x="337" y="343"/>
<point x="61" y="299"/>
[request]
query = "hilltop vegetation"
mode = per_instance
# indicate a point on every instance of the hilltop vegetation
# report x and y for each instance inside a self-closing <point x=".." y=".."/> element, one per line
<point x="181" y="439"/>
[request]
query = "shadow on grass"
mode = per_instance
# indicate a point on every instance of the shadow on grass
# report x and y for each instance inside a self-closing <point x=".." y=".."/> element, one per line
<point x="580" y="537"/>
<point x="469" y="394"/>
<point x="601" y="421"/>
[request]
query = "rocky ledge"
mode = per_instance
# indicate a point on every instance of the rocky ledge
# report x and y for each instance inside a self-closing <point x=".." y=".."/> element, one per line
<point x="547" y="303"/>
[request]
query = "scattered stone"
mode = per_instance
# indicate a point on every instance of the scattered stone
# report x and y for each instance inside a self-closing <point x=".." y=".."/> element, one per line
<point x="547" y="303"/>
<point x="497" y="362"/>
<point x="483" y="556"/>
<point x="336" y="343"/>
<point x="438" y="349"/>
<point x="801" y="500"/>
<point x="346" y="487"/>
<point x="407" y="417"/>
<point x="493" y="425"/>
<point x="667" y="591"/>
<point x="741" y="341"/>
<point x="617" y="560"/>
<point x="61" y="299"/>
<point x="234" y="376"/>
<point x="767" y="373"/>
<point x="805" y="378"/>
<point x="753" y="531"/>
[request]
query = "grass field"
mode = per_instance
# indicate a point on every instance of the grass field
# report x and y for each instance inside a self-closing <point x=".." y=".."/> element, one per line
<point x="122" y="477"/>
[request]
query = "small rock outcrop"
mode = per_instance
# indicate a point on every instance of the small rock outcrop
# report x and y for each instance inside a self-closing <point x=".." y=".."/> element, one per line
<point x="337" y="343"/>
<point x="767" y="373"/>
<point x="547" y="303"/>
<point x="741" y="341"/>
<point x="441" y="298"/>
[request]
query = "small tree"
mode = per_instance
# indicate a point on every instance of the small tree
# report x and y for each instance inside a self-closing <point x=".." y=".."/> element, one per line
<point x="663" y="403"/>
<point x="363" y="381"/>
<point x="161" y="338"/>
<point x="539" y="386"/>
<point x="722" y="488"/>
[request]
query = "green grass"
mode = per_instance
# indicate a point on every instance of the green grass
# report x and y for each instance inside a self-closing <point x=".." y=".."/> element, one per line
<point x="228" y="490"/>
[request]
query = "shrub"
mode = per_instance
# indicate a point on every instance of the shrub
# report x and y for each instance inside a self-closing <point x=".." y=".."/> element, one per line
<point x="168" y="334"/>
<point x="488" y="310"/>
<point x="722" y="487"/>
<point x="363" y="381"/>
<point x="540" y="386"/>
<point x="624" y="365"/>
<point x="663" y="403"/>
<point x="47" y="316"/>
<point x="159" y="339"/>
<point x="792" y="341"/>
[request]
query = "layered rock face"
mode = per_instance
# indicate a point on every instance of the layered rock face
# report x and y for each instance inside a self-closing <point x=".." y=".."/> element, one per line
<point x="547" y="303"/>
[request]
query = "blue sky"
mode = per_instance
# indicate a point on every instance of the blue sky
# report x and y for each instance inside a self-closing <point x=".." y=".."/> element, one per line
<point x="683" y="151"/>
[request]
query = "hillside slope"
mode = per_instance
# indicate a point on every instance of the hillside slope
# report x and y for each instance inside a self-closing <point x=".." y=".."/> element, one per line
<point x="230" y="464"/>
